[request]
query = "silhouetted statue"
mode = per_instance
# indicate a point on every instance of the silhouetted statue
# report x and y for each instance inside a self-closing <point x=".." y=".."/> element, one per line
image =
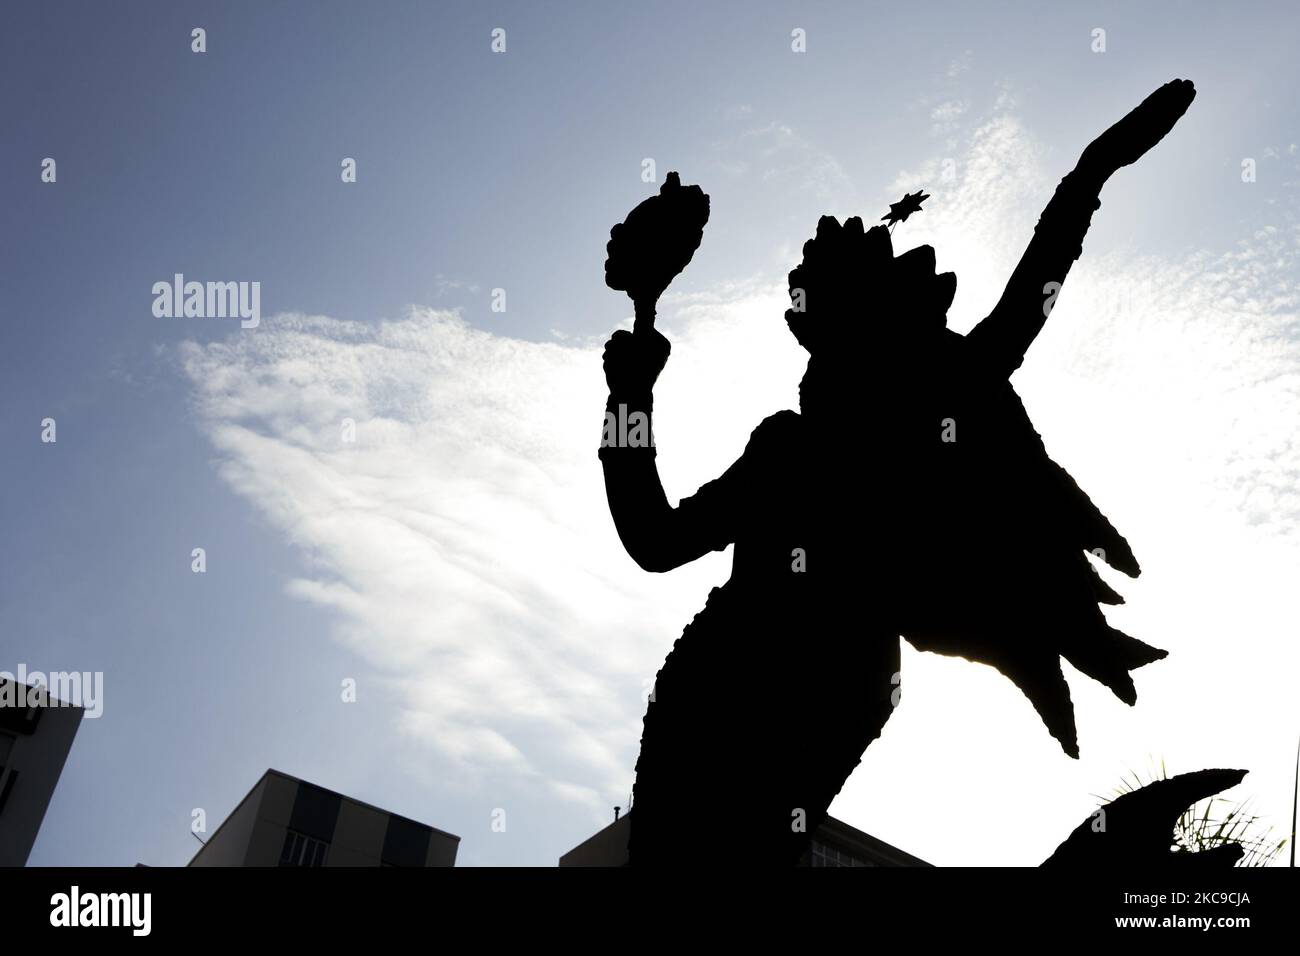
<point x="1136" y="830"/>
<point x="910" y="495"/>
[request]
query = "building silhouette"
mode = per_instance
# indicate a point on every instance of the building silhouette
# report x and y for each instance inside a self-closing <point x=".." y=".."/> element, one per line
<point x="834" y="843"/>
<point x="34" y="744"/>
<point x="284" y="821"/>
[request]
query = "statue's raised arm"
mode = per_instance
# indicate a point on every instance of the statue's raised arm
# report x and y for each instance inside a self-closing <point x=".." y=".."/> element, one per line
<point x="1006" y="333"/>
<point x="646" y="252"/>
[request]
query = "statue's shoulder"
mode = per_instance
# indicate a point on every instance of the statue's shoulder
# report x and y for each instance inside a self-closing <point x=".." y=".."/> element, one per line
<point x="785" y="420"/>
<point x="775" y="432"/>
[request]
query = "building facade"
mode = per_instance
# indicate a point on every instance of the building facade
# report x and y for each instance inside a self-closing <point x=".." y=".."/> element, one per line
<point x="284" y="821"/>
<point x="34" y="744"/>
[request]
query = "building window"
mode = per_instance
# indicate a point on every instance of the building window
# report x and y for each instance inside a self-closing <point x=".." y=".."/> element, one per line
<point x="7" y="780"/>
<point x="6" y="788"/>
<point x="302" y="850"/>
<point x="7" y="742"/>
<point x="22" y="720"/>
<point x="824" y="854"/>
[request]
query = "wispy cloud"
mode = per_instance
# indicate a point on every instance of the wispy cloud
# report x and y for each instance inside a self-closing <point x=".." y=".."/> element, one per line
<point x="462" y="538"/>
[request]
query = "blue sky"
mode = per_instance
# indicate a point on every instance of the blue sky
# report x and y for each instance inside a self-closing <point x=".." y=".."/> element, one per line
<point x="489" y="676"/>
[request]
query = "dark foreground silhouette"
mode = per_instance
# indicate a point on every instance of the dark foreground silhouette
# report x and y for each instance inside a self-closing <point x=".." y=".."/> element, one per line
<point x="910" y="495"/>
<point x="1135" y="831"/>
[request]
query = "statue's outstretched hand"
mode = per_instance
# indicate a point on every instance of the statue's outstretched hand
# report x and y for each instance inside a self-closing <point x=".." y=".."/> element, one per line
<point x="655" y="242"/>
<point x="1126" y="141"/>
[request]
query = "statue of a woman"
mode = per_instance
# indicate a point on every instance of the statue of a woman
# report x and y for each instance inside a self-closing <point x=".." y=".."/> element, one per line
<point x="909" y="495"/>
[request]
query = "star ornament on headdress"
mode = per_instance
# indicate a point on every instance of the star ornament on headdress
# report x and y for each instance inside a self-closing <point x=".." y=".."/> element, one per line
<point x="899" y="211"/>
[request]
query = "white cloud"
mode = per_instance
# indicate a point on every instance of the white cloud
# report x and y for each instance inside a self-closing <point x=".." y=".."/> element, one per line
<point x="464" y="545"/>
<point x="462" y="538"/>
<point x="946" y="115"/>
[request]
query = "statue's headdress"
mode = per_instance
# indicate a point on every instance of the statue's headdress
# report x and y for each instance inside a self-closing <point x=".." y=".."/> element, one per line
<point x="850" y="275"/>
